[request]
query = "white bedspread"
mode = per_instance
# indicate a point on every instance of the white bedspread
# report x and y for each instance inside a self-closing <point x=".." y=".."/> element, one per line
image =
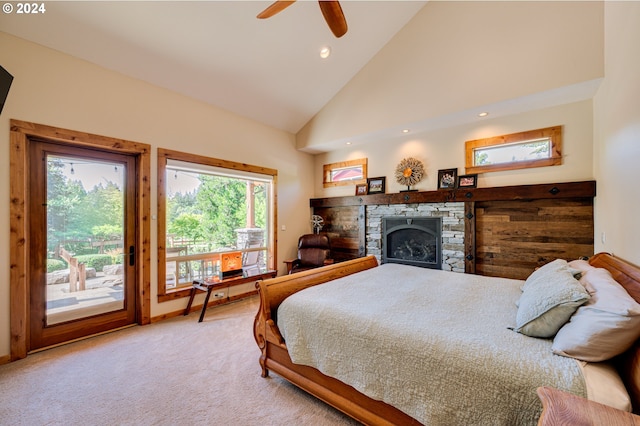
<point x="434" y="344"/>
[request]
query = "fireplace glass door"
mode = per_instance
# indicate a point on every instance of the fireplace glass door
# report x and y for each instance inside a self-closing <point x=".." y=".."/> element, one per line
<point x="412" y="241"/>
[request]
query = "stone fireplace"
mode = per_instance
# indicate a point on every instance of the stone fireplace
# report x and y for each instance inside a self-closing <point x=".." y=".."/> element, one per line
<point x="449" y="245"/>
<point x="412" y="241"/>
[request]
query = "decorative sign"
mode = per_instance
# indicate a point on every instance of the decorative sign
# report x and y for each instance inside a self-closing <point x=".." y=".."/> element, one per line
<point x="231" y="263"/>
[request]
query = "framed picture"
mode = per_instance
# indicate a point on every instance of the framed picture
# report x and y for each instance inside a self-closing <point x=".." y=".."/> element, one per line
<point x="447" y="178"/>
<point x="467" y="181"/>
<point x="361" y="189"/>
<point x="376" y="185"/>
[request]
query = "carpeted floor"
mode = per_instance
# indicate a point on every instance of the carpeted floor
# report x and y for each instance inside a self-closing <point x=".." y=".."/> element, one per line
<point x="173" y="372"/>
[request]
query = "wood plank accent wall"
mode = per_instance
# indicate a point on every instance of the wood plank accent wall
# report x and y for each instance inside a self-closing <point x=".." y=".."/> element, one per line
<point x="346" y="229"/>
<point x="515" y="237"/>
<point x="509" y="231"/>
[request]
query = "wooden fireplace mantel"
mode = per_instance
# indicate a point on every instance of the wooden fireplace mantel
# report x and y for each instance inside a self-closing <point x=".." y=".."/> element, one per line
<point x="508" y="230"/>
<point x="585" y="189"/>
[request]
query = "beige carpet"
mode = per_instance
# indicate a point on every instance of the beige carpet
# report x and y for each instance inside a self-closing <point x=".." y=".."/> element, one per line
<point x="175" y="372"/>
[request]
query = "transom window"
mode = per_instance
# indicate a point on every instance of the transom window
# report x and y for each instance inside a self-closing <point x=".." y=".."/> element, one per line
<point x="208" y="208"/>
<point x="345" y="173"/>
<point x="534" y="148"/>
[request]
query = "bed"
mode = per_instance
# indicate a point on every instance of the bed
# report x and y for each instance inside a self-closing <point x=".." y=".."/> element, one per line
<point x="452" y="369"/>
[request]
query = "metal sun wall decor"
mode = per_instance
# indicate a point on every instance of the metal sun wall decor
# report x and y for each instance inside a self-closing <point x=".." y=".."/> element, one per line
<point x="409" y="172"/>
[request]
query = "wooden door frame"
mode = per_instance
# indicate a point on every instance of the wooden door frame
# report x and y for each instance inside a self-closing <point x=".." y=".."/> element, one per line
<point x="21" y="134"/>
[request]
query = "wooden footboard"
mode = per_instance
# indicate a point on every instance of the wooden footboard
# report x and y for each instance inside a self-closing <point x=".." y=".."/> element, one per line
<point x="332" y="391"/>
<point x="275" y="356"/>
<point x="273" y="291"/>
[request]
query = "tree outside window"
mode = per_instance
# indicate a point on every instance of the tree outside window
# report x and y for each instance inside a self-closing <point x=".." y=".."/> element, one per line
<point x="211" y="209"/>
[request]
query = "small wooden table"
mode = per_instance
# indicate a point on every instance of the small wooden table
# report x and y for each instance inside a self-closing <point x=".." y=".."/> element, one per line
<point x="209" y="286"/>
<point x="563" y="408"/>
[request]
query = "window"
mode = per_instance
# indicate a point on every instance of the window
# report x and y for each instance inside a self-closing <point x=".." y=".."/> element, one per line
<point x="534" y="148"/>
<point x="345" y="173"/>
<point x="208" y="207"/>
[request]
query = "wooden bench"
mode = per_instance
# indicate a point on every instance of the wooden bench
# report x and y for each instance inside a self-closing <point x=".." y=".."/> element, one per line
<point x="210" y="285"/>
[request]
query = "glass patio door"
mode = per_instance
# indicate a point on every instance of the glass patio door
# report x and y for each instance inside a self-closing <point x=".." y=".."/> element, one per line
<point x="82" y="241"/>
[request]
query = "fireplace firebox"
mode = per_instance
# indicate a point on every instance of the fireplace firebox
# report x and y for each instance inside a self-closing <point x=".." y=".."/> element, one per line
<point x="413" y="241"/>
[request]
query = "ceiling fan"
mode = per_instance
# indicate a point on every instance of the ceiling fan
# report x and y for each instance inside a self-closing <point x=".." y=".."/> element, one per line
<point x="331" y="11"/>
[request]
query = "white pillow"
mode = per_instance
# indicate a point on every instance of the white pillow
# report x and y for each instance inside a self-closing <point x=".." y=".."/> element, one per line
<point x="607" y="325"/>
<point x="550" y="296"/>
<point x="580" y="265"/>
<point x="548" y="270"/>
<point x="604" y="385"/>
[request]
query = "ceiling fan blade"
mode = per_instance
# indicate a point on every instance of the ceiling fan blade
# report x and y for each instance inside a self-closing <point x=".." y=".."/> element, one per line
<point x="334" y="16"/>
<point x="276" y="7"/>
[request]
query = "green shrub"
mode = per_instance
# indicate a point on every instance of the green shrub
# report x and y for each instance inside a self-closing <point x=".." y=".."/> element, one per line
<point x="96" y="261"/>
<point x="56" y="265"/>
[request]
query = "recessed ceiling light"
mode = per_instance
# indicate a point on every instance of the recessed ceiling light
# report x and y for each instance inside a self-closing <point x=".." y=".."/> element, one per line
<point x="405" y="130"/>
<point x="483" y="114"/>
<point x="348" y="143"/>
<point x="325" y="52"/>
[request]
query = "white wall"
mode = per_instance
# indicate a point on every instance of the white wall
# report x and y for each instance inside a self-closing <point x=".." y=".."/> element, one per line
<point x="617" y="135"/>
<point x="58" y="90"/>
<point x="444" y="149"/>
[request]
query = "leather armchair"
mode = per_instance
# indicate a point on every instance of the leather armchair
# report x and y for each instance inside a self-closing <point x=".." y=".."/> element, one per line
<point x="314" y="250"/>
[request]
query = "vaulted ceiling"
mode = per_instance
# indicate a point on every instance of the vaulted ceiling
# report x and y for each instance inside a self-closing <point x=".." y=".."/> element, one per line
<point x="219" y="52"/>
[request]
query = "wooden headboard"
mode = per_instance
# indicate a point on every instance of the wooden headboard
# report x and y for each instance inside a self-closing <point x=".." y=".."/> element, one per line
<point x="628" y="364"/>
